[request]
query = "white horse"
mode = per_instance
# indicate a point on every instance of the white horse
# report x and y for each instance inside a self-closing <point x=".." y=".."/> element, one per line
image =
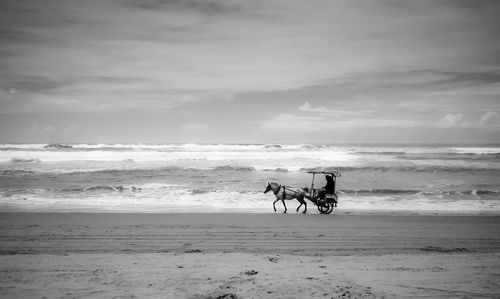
<point x="284" y="192"/>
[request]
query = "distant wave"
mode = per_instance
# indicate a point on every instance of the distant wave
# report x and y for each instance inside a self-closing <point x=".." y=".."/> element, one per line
<point x="379" y="152"/>
<point x="104" y="188"/>
<point x="272" y="146"/>
<point x="21" y="160"/>
<point x="279" y="169"/>
<point x="233" y="168"/>
<point x="58" y="146"/>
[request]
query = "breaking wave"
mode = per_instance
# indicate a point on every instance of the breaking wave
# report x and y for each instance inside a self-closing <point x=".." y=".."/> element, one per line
<point x="233" y="168"/>
<point x="21" y="160"/>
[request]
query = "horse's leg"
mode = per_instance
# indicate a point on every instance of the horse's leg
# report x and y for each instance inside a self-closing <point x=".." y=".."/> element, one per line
<point x="302" y="202"/>
<point x="274" y="204"/>
<point x="283" y="200"/>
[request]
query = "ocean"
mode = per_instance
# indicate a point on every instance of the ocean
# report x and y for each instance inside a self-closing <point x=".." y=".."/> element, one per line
<point x="232" y="177"/>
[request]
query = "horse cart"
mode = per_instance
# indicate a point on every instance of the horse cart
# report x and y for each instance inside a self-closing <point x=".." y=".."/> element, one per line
<point x="328" y="201"/>
<point x="324" y="198"/>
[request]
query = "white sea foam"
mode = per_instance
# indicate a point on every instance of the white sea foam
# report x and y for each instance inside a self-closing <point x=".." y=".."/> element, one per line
<point x="477" y="150"/>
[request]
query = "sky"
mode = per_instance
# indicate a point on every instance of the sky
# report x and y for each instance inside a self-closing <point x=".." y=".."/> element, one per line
<point x="229" y="71"/>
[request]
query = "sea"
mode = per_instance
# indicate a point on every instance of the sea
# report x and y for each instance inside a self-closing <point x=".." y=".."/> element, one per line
<point x="231" y="178"/>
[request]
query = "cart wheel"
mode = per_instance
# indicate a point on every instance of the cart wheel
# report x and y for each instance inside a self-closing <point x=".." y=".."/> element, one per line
<point x="325" y="208"/>
<point x="331" y="205"/>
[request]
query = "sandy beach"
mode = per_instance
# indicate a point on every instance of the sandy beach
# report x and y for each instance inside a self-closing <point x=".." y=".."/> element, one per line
<point x="193" y="148"/>
<point x="78" y="255"/>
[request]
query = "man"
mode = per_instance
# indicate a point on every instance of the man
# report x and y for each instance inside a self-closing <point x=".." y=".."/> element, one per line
<point x="329" y="187"/>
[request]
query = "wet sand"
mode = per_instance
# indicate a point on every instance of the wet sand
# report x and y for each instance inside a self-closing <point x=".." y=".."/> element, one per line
<point x="71" y="255"/>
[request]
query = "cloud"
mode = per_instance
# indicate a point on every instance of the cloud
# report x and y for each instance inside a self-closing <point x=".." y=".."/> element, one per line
<point x="29" y="83"/>
<point x="223" y="47"/>
<point x="290" y="122"/>
<point x="490" y="120"/>
<point x="470" y="90"/>
<point x="479" y="78"/>
<point x="99" y="95"/>
<point x="202" y="7"/>
<point x="307" y="108"/>
<point x="452" y="121"/>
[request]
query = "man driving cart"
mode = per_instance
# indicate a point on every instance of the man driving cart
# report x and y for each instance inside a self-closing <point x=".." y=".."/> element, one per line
<point x="329" y="188"/>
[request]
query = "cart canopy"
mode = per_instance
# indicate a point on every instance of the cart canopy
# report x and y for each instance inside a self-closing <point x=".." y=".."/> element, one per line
<point x="332" y="173"/>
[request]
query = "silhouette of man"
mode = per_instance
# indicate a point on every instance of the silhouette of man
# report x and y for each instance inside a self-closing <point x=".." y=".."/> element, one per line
<point x="329" y="187"/>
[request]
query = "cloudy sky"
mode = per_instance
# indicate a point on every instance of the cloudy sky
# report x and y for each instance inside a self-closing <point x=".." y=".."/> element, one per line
<point x="169" y="71"/>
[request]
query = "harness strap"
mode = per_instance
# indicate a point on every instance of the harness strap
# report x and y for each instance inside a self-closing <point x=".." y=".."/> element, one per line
<point x="278" y="191"/>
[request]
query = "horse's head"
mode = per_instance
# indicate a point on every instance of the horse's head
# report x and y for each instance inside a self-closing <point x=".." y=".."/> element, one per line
<point x="268" y="187"/>
<point x="271" y="186"/>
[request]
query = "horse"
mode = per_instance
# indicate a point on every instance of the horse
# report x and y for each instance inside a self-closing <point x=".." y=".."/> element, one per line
<point x="286" y="193"/>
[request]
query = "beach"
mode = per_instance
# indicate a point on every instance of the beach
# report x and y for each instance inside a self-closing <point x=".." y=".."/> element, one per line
<point x="217" y="149"/>
<point x="228" y="255"/>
